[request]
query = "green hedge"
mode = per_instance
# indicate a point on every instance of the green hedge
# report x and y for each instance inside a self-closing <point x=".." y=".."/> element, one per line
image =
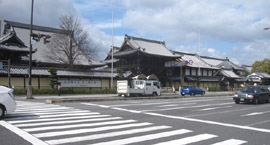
<point x="67" y="91"/>
<point x="214" y="89"/>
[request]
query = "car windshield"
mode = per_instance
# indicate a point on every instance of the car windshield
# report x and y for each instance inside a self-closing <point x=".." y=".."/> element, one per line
<point x="249" y="89"/>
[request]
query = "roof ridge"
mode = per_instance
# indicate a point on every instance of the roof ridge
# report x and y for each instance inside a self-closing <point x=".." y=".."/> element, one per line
<point x="144" y="39"/>
<point x="35" y="27"/>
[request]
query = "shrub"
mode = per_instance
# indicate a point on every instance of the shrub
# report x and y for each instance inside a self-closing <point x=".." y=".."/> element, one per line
<point x="50" y="91"/>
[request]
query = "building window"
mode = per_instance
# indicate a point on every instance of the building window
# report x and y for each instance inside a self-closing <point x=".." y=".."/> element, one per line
<point x="193" y="72"/>
<point x="187" y="71"/>
<point x="210" y="73"/>
<point x="205" y="72"/>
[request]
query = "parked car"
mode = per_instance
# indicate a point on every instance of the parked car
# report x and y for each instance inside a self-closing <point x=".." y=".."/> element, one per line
<point x="192" y="90"/>
<point x="7" y="103"/>
<point x="252" y="94"/>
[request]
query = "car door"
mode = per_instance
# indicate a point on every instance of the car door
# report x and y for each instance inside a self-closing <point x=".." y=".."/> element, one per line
<point x="264" y="93"/>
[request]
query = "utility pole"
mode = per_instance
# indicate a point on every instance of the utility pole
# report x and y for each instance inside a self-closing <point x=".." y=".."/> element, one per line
<point x="29" y="90"/>
<point x="112" y="44"/>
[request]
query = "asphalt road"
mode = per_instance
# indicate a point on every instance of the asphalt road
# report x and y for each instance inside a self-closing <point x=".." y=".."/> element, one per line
<point x="199" y="120"/>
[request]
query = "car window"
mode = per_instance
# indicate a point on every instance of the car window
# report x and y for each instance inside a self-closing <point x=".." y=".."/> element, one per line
<point x="249" y="89"/>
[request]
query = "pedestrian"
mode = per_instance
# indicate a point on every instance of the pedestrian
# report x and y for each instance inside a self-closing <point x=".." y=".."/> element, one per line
<point x="59" y="89"/>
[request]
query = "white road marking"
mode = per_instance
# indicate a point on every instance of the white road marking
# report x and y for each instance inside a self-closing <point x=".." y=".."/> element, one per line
<point x="105" y="135"/>
<point x="175" y="108"/>
<point x="78" y="125"/>
<point x="258" y="123"/>
<point x="55" y="112"/>
<point x="55" y="119"/>
<point x="78" y="131"/>
<point x="208" y="109"/>
<point x="145" y="137"/>
<point x="63" y="122"/>
<point x="211" y="122"/>
<point x="173" y="105"/>
<point x="203" y="121"/>
<point x="231" y="142"/>
<point x="255" y="113"/>
<point x="139" y="104"/>
<point x="28" y="137"/>
<point x="40" y="109"/>
<point x="188" y="140"/>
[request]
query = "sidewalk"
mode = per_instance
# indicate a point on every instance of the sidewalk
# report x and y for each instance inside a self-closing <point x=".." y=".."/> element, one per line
<point x="114" y="97"/>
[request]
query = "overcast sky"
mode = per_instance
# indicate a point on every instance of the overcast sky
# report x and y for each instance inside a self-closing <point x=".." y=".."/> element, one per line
<point x="223" y="28"/>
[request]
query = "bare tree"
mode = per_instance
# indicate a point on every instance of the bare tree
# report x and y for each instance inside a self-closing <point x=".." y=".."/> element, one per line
<point x="72" y="44"/>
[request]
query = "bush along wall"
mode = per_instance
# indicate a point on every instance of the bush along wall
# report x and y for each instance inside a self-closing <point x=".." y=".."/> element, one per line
<point x="66" y="91"/>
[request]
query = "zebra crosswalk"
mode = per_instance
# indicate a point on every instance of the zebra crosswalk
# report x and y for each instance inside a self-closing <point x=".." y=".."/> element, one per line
<point x="56" y="124"/>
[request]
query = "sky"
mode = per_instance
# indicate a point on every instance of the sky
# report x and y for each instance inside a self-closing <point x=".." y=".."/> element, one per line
<point x="231" y="29"/>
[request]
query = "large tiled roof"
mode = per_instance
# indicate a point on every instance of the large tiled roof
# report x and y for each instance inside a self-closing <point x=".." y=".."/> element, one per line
<point x="151" y="47"/>
<point x="230" y="74"/>
<point x="14" y="48"/>
<point x="42" y="49"/>
<point x="194" y="61"/>
<point x="6" y="45"/>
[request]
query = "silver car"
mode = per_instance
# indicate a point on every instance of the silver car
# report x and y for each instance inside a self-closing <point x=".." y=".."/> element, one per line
<point x="7" y="103"/>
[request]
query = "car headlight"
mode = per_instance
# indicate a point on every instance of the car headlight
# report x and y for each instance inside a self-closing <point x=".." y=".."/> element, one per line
<point x="10" y="94"/>
<point x="235" y="95"/>
<point x="250" y="96"/>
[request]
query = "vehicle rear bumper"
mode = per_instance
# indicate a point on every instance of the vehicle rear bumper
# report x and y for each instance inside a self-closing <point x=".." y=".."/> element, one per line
<point x="246" y="100"/>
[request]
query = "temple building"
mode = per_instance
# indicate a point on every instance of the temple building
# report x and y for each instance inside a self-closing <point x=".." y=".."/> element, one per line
<point x="14" y="46"/>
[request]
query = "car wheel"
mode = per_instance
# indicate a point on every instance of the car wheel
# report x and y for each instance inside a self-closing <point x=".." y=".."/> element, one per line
<point x="154" y="94"/>
<point x="237" y="102"/>
<point x="268" y="101"/>
<point x="192" y="94"/>
<point x="2" y="112"/>
<point x="183" y="94"/>
<point x="256" y="101"/>
<point x="203" y="93"/>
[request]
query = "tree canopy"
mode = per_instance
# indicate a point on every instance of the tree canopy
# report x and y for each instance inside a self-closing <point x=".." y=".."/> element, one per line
<point x="261" y="66"/>
<point x="71" y="45"/>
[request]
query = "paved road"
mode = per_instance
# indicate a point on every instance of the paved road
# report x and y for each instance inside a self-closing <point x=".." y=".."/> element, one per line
<point x="200" y="120"/>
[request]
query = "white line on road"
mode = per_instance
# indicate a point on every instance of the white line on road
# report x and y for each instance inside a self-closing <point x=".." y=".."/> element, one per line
<point x="188" y="140"/>
<point x="68" y="121"/>
<point x="255" y="113"/>
<point x="209" y="109"/>
<point x="231" y="142"/>
<point x="56" y="119"/>
<point x="145" y="137"/>
<point x="89" y="130"/>
<point x="175" y="108"/>
<point x="105" y="135"/>
<point x="78" y="125"/>
<point x="28" y="137"/>
<point x="204" y="121"/>
<point x="211" y="122"/>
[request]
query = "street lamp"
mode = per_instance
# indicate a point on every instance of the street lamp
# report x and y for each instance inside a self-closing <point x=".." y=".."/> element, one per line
<point x="29" y="90"/>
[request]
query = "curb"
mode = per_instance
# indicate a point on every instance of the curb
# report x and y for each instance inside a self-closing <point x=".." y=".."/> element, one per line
<point x="102" y="99"/>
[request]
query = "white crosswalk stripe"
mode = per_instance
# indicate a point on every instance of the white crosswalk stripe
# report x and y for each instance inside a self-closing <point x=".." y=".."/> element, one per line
<point x="145" y="137"/>
<point x="78" y="131"/>
<point x="63" y="122"/>
<point x="188" y="140"/>
<point x="105" y="135"/>
<point x="231" y="142"/>
<point x="78" y="125"/>
<point x="55" y="124"/>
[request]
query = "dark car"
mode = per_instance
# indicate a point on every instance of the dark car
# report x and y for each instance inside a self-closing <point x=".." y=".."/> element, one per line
<point x="252" y="94"/>
<point x="192" y="90"/>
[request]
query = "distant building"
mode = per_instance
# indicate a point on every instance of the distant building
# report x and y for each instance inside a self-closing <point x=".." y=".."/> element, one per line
<point x="14" y="45"/>
<point x="142" y="56"/>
